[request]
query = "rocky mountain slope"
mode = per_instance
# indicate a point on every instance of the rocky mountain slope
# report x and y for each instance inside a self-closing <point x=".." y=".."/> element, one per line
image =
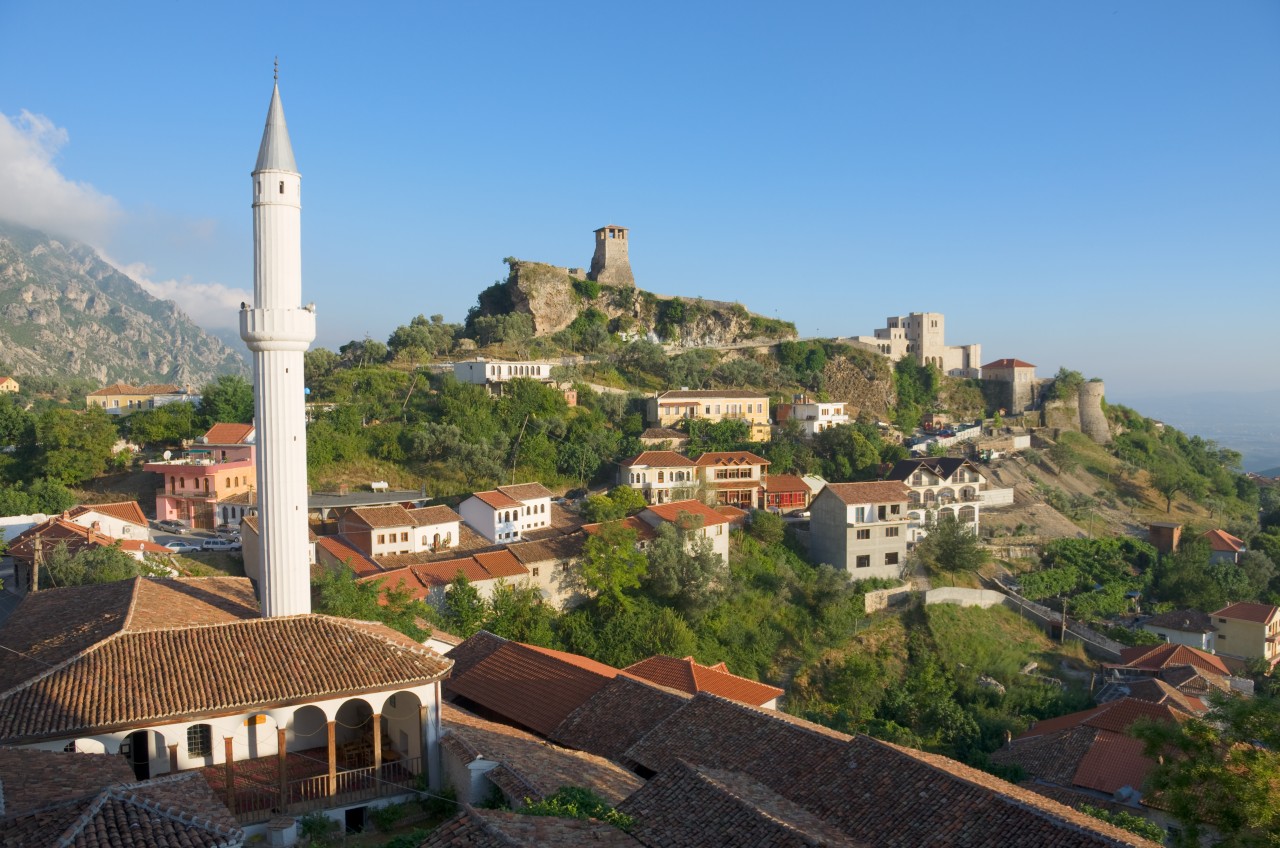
<point x="66" y="312"/>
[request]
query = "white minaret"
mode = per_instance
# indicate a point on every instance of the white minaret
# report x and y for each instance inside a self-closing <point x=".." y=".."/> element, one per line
<point x="278" y="329"/>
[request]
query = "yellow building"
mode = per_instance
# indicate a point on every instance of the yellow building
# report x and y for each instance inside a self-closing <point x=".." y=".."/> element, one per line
<point x="8" y="384"/>
<point x="669" y="408"/>
<point x="1248" y="630"/>
<point x="122" y="398"/>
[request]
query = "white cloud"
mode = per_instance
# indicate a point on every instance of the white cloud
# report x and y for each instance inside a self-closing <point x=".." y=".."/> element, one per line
<point x="35" y="193"/>
<point x="211" y="305"/>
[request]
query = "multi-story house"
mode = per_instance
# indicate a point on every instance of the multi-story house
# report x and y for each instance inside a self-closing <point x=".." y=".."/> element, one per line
<point x="8" y="384"/>
<point x="662" y="476"/>
<point x="738" y="478"/>
<point x="1248" y="630"/>
<point x="504" y="513"/>
<point x="1013" y="384"/>
<point x="218" y="465"/>
<point x="861" y="527"/>
<point x="667" y="409"/>
<point x="813" y="416"/>
<point x="379" y="531"/>
<point x="941" y="485"/>
<point x="123" y="398"/>
<point x="1223" y="547"/>
<point x="493" y="373"/>
<point x="1183" y="627"/>
<point x="120" y="520"/>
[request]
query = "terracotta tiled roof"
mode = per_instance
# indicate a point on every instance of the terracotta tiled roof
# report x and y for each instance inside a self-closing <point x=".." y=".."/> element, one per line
<point x="737" y="517"/>
<point x="1008" y="363"/>
<point x="437" y="514"/>
<point x="1153" y="690"/>
<point x="534" y="687"/>
<point x="59" y="531"/>
<point x="422" y="579"/>
<point x="536" y="764"/>
<point x="672" y="511"/>
<point x="904" y="797"/>
<point x="159" y="389"/>
<point x="555" y="548"/>
<point x="659" y="459"/>
<point x="472" y="650"/>
<point x="228" y="434"/>
<point x="718" y="458"/>
<point x="687" y="675"/>
<point x="644" y="532"/>
<point x="697" y="805"/>
<point x="174" y="810"/>
<point x="123" y="510"/>
<point x="1248" y="611"/>
<point x="526" y="491"/>
<point x="343" y="551"/>
<point x="379" y="517"/>
<point x="1163" y="656"/>
<point x="617" y="716"/>
<point x="31" y="778"/>
<point x="472" y="828"/>
<point x="710" y="394"/>
<point x="663" y="434"/>
<point x="1186" y="621"/>
<point x="1115" y="716"/>
<point x="786" y="483"/>
<point x="98" y="658"/>
<point x="497" y="499"/>
<point x="249" y="498"/>
<point x="1223" y="542"/>
<point x="853" y="494"/>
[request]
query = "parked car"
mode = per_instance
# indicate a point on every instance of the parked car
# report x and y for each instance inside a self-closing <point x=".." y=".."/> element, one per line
<point x="183" y="547"/>
<point x="221" y="545"/>
<point x="171" y="526"/>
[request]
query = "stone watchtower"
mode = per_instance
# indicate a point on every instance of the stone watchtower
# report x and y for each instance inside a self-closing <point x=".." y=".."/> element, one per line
<point x="610" y="264"/>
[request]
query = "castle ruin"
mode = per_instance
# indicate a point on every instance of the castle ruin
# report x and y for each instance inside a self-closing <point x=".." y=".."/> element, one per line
<point x="610" y="264"/>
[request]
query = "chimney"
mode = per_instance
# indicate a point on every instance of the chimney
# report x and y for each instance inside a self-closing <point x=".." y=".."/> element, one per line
<point x="344" y="489"/>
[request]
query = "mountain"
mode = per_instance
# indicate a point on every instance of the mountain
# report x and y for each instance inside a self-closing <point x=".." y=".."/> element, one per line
<point x="66" y="312"/>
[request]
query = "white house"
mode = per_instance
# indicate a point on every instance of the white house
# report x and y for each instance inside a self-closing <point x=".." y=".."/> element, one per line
<point x="504" y="513"/>
<point x="942" y="485"/>
<point x="813" y="416"/>
<point x="694" y="516"/>
<point x="121" y="520"/>
<point x="1188" y="627"/>
<point x="662" y="476"/>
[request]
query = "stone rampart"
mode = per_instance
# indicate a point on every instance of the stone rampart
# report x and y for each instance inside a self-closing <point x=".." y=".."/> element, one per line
<point x="1093" y="421"/>
<point x="885" y="598"/>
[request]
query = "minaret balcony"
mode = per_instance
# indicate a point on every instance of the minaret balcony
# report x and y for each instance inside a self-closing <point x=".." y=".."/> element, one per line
<point x="277" y="329"/>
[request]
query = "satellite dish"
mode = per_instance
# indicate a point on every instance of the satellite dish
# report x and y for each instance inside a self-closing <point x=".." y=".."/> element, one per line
<point x="168" y="455"/>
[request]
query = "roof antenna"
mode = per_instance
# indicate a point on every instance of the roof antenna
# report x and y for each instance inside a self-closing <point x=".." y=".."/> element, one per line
<point x="275" y="76"/>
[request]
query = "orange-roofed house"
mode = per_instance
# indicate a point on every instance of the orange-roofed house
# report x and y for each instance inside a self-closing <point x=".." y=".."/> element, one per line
<point x="689" y="676"/>
<point x="786" y="493"/>
<point x="694" y="517"/>
<point x="667" y="409"/>
<point x="504" y="513"/>
<point x="197" y="487"/>
<point x="661" y="476"/>
<point x="1223" y="547"/>
<point x="120" y="520"/>
<point x="42" y="539"/>
<point x="1248" y="630"/>
<point x="125" y="398"/>
<point x="861" y="528"/>
<point x="737" y="478"/>
<point x="8" y="384"/>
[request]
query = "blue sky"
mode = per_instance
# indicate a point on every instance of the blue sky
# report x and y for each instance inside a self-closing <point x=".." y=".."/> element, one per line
<point x="1087" y="184"/>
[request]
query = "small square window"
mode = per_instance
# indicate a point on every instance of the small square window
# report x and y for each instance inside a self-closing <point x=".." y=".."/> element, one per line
<point x="863" y="561"/>
<point x="536" y="571"/>
<point x="199" y="740"/>
<point x="864" y="534"/>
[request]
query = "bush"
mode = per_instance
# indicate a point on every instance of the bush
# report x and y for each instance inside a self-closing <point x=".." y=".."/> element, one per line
<point x="574" y="802"/>
<point x="385" y="818"/>
<point x="588" y="289"/>
<point x="315" y="826"/>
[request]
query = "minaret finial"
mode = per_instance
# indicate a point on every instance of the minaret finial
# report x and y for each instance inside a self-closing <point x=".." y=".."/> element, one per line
<point x="275" y="76"/>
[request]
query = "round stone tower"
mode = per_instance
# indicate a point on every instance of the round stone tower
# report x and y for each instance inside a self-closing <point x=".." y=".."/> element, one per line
<point x="1093" y="421"/>
<point x="610" y="264"/>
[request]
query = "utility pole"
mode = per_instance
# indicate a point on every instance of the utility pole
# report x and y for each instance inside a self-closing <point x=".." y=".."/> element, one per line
<point x="35" y="563"/>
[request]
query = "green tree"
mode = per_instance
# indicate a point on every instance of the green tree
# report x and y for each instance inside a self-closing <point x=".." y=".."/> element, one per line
<point x="164" y="425"/>
<point x="683" y="568"/>
<point x="1222" y="770"/>
<point x="518" y="613"/>
<point x="96" y="564"/>
<point x="16" y="424"/>
<point x="75" y="446"/>
<point x="767" y="527"/>
<point x="950" y="546"/>
<point x="611" y="565"/>
<point x="227" y="400"/>
<point x="464" y="609"/>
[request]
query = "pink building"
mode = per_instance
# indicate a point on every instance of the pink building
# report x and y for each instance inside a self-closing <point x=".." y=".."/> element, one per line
<point x="217" y="466"/>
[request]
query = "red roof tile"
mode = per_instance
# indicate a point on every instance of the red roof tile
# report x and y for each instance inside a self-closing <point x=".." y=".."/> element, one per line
<point x="868" y="493"/>
<point x="124" y="510"/>
<point x="379" y="517"/>
<point x="1163" y="656"/>
<point x="497" y="499"/>
<point x="617" y="716"/>
<point x="785" y="483"/>
<point x="1008" y="363"/>
<point x="730" y="458"/>
<point x="93" y="659"/>
<point x="687" y="675"/>
<point x="228" y="434"/>
<point x="1249" y="611"/>
<point x="673" y="510"/>
<point x="437" y="514"/>
<point x="1223" y="542"/>
<point x="661" y="459"/>
<point x="709" y="394"/>
<point x="345" y="552"/>
<point x="526" y="491"/>
<point x="472" y="828"/>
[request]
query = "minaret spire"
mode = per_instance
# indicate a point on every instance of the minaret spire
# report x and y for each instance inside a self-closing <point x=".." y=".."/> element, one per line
<point x="278" y="330"/>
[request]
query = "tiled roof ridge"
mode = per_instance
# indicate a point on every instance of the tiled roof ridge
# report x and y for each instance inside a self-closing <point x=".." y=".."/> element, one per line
<point x="132" y="605"/>
<point x="724" y="789"/>
<point x="52" y="669"/>
<point x="798" y="723"/>
<point x="69" y="836"/>
<point x="170" y="812"/>
<point x="1049" y="808"/>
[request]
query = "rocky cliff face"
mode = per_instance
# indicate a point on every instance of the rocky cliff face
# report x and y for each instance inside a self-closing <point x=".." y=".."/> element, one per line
<point x="65" y="312"/>
<point x="863" y="382"/>
<point x="554" y="299"/>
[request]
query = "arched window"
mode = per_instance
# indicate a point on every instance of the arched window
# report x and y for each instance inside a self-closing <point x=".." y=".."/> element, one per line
<point x="228" y="483"/>
<point x="661" y="476"/>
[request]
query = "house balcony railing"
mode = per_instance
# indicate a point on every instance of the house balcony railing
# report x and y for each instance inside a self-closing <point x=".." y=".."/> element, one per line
<point x="257" y="801"/>
<point x="189" y="494"/>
